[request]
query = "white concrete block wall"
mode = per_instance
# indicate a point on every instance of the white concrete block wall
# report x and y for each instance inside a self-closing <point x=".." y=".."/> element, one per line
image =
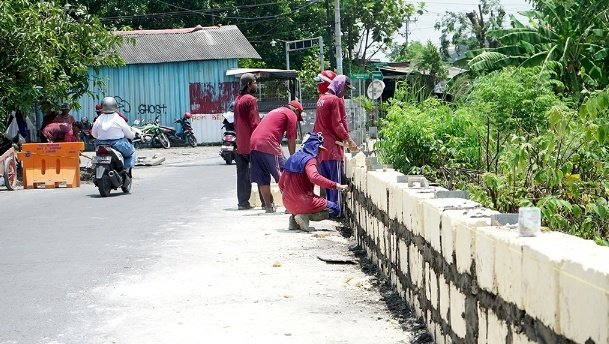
<point x="559" y="281"/>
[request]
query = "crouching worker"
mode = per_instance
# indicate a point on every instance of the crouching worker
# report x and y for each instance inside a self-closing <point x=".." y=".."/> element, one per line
<point x="297" y="182"/>
<point x="111" y="129"/>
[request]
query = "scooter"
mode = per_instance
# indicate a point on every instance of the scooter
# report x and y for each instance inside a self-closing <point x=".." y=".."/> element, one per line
<point x="183" y="136"/>
<point x="229" y="141"/>
<point x="110" y="172"/>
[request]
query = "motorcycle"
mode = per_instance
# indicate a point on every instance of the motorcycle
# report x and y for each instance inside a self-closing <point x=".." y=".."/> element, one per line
<point x="110" y="172"/>
<point x="84" y="135"/>
<point x="150" y="134"/>
<point x="229" y="140"/>
<point x="184" y="136"/>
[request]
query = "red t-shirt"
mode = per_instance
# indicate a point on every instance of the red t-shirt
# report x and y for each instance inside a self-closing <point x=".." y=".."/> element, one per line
<point x="331" y="121"/>
<point x="297" y="190"/>
<point x="267" y="136"/>
<point x="246" y="120"/>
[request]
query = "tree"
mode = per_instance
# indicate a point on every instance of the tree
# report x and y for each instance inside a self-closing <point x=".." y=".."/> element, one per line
<point x="571" y="38"/>
<point x="369" y="25"/>
<point x="467" y="31"/>
<point x="47" y="51"/>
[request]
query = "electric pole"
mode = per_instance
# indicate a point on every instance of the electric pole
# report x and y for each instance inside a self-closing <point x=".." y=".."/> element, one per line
<point x="337" y="35"/>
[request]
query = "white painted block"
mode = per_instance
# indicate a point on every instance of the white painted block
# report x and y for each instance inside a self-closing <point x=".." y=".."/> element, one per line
<point x="434" y="289"/>
<point x="426" y="279"/>
<point x="482" y="325"/>
<point x="415" y="262"/>
<point x="497" y="329"/>
<point x="508" y="264"/>
<point x="433" y="212"/>
<point x="465" y="238"/>
<point x="276" y="193"/>
<point x="520" y="338"/>
<point x="584" y="293"/>
<point x="403" y="252"/>
<point x="457" y="311"/>
<point x="444" y="298"/>
<point x="412" y="209"/>
<point x="484" y="257"/>
<point x="395" y="201"/>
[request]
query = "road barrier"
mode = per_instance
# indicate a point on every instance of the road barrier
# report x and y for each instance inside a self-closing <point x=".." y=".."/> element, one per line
<point x="51" y="165"/>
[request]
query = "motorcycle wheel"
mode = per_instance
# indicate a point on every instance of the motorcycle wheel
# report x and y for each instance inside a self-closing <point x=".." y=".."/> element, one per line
<point x="104" y="185"/>
<point x="228" y="160"/>
<point x="192" y="140"/>
<point x="126" y="187"/>
<point x="161" y="140"/>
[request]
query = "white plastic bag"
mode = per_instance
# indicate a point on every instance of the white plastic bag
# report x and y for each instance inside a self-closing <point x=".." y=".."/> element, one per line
<point x="13" y="129"/>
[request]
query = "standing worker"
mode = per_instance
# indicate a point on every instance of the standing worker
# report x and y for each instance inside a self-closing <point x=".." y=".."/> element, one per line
<point x="246" y="120"/>
<point x="266" y="156"/>
<point x="297" y="184"/>
<point x="331" y="122"/>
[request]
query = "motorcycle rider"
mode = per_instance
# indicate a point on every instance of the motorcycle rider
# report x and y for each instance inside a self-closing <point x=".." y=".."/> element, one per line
<point x="111" y="129"/>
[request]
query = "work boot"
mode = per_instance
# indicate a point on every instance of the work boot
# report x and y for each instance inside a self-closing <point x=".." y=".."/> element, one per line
<point x="303" y="221"/>
<point x="293" y="226"/>
<point x="320" y="216"/>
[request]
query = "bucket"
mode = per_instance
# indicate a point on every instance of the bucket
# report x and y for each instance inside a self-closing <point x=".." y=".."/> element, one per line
<point x="529" y="221"/>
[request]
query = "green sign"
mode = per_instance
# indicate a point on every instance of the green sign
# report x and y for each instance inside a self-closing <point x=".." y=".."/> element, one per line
<point x="360" y="76"/>
<point x="377" y="75"/>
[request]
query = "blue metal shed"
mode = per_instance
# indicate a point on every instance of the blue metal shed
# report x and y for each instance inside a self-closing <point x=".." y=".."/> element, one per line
<point x="170" y="72"/>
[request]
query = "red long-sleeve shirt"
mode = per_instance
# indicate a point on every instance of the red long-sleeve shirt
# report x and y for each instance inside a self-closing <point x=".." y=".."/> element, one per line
<point x="297" y="190"/>
<point x="246" y="120"/>
<point x="331" y="121"/>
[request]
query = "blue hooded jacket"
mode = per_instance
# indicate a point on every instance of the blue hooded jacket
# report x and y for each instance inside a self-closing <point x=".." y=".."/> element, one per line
<point x="310" y="146"/>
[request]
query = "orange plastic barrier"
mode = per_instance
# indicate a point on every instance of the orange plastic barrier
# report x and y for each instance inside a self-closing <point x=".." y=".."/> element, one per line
<point x="51" y="165"/>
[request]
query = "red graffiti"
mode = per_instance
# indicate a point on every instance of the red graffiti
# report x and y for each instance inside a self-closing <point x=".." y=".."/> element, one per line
<point x="205" y="98"/>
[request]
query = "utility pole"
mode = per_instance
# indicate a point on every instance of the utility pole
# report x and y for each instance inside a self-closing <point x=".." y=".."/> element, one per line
<point x="337" y="35"/>
<point x="329" y="33"/>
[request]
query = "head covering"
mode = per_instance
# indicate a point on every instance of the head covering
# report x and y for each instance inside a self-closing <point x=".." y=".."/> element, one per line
<point x="338" y="85"/>
<point x="64" y="106"/>
<point x="296" y="104"/>
<point x="323" y="80"/>
<point x="246" y="78"/>
<point x="98" y="108"/>
<point x="311" y="144"/>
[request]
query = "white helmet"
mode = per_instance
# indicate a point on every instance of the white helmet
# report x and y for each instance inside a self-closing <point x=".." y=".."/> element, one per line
<point x="109" y="105"/>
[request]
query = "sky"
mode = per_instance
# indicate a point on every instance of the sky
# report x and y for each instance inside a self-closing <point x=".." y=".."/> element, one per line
<point x="423" y="29"/>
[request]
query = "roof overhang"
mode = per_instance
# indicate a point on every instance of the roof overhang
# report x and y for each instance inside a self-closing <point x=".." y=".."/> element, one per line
<point x="264" y="73"/>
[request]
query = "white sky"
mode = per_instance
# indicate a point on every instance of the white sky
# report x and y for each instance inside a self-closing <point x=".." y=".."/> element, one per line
<point x="423" y="29"/>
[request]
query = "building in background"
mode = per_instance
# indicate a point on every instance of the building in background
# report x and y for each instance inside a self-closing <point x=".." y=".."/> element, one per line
<point x="170" y="72"/>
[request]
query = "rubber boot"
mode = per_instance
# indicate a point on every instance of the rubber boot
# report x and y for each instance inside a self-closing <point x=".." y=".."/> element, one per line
<point x="293" y="226"/>
<point x="303" y="221"/>
<point x="320" y="216"/>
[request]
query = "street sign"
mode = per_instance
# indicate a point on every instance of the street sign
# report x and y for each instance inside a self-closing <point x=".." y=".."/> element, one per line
<point x="377" y="75"/>
<point x="360" y="76"/>
<point x="375" y="89"/>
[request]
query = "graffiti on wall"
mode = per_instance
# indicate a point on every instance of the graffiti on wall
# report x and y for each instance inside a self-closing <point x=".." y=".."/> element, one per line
<point x="207" y="99"/>
<point x="154" y="109"/>
<point x="123" y="105"/>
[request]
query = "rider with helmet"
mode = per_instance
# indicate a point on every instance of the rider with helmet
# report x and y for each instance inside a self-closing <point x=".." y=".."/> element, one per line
<point x="111" y="129"/>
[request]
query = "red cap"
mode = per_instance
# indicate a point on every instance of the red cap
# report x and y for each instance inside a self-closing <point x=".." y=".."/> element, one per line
<point x="296" y="104"/>
<point x="323" y="80"/>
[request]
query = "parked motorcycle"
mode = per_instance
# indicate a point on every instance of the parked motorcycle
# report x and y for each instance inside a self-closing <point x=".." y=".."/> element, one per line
<point x="110" y="172"/>
<point x="184" y="135"/>
<point x="84" y="134"/>
<point x="229" y="139"/>
<point x="150" y="134"/>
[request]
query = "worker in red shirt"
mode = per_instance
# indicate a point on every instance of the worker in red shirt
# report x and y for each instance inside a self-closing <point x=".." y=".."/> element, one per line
<point x="266" y="157"/>
<point x="299" y="177"/>
<point x="246" y="120"/>
<point x="331" y="122"/>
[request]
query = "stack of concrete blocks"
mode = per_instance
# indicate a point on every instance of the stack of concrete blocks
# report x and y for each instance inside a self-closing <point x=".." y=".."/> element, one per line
<point x="473" y="283"/>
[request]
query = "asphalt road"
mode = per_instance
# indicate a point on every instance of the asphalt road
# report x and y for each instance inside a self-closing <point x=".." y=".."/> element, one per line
<point x="174" y="262"/>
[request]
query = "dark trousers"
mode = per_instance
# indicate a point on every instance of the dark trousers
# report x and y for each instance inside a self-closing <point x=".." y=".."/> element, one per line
<point x="244" y="184"/>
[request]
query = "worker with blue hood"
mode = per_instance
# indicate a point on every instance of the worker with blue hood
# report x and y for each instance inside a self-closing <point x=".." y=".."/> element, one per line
<point x="298" y="181"/>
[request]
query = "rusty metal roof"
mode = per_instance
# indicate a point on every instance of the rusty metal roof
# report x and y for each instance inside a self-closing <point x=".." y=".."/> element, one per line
<point x="189" y="44"/>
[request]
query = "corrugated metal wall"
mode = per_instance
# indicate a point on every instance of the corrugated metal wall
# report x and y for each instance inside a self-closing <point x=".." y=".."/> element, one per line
<point x="168" y="90"/>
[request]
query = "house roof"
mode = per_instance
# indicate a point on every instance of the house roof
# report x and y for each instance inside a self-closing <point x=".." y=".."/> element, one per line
<point x="189" y="44"/>
<point x="398" y="70"/>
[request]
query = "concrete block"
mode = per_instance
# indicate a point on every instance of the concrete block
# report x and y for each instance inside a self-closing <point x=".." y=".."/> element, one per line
<point x="382" y="239"/>
<point x="465" y="235"/>
<point x="484" y="257"/>
<point x="482" y="325"/>
<point x="395" y="201"/>
<point x="434" y="289"/>
<point x="508" y="265"/>
<point x="584" y="293"/>
<point x="433" y="211"/>
<point x="415" y="263"/>
<point x="444" y="298"/>
<point x="497" y="329"/>
<point x="276" y="193"/>
<point x="452" y="194"/>
<point x="457" y="311"/>
<point x="426" y="279"/>
<point x="504" y="219"/>
<point x="403" y="252"/>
